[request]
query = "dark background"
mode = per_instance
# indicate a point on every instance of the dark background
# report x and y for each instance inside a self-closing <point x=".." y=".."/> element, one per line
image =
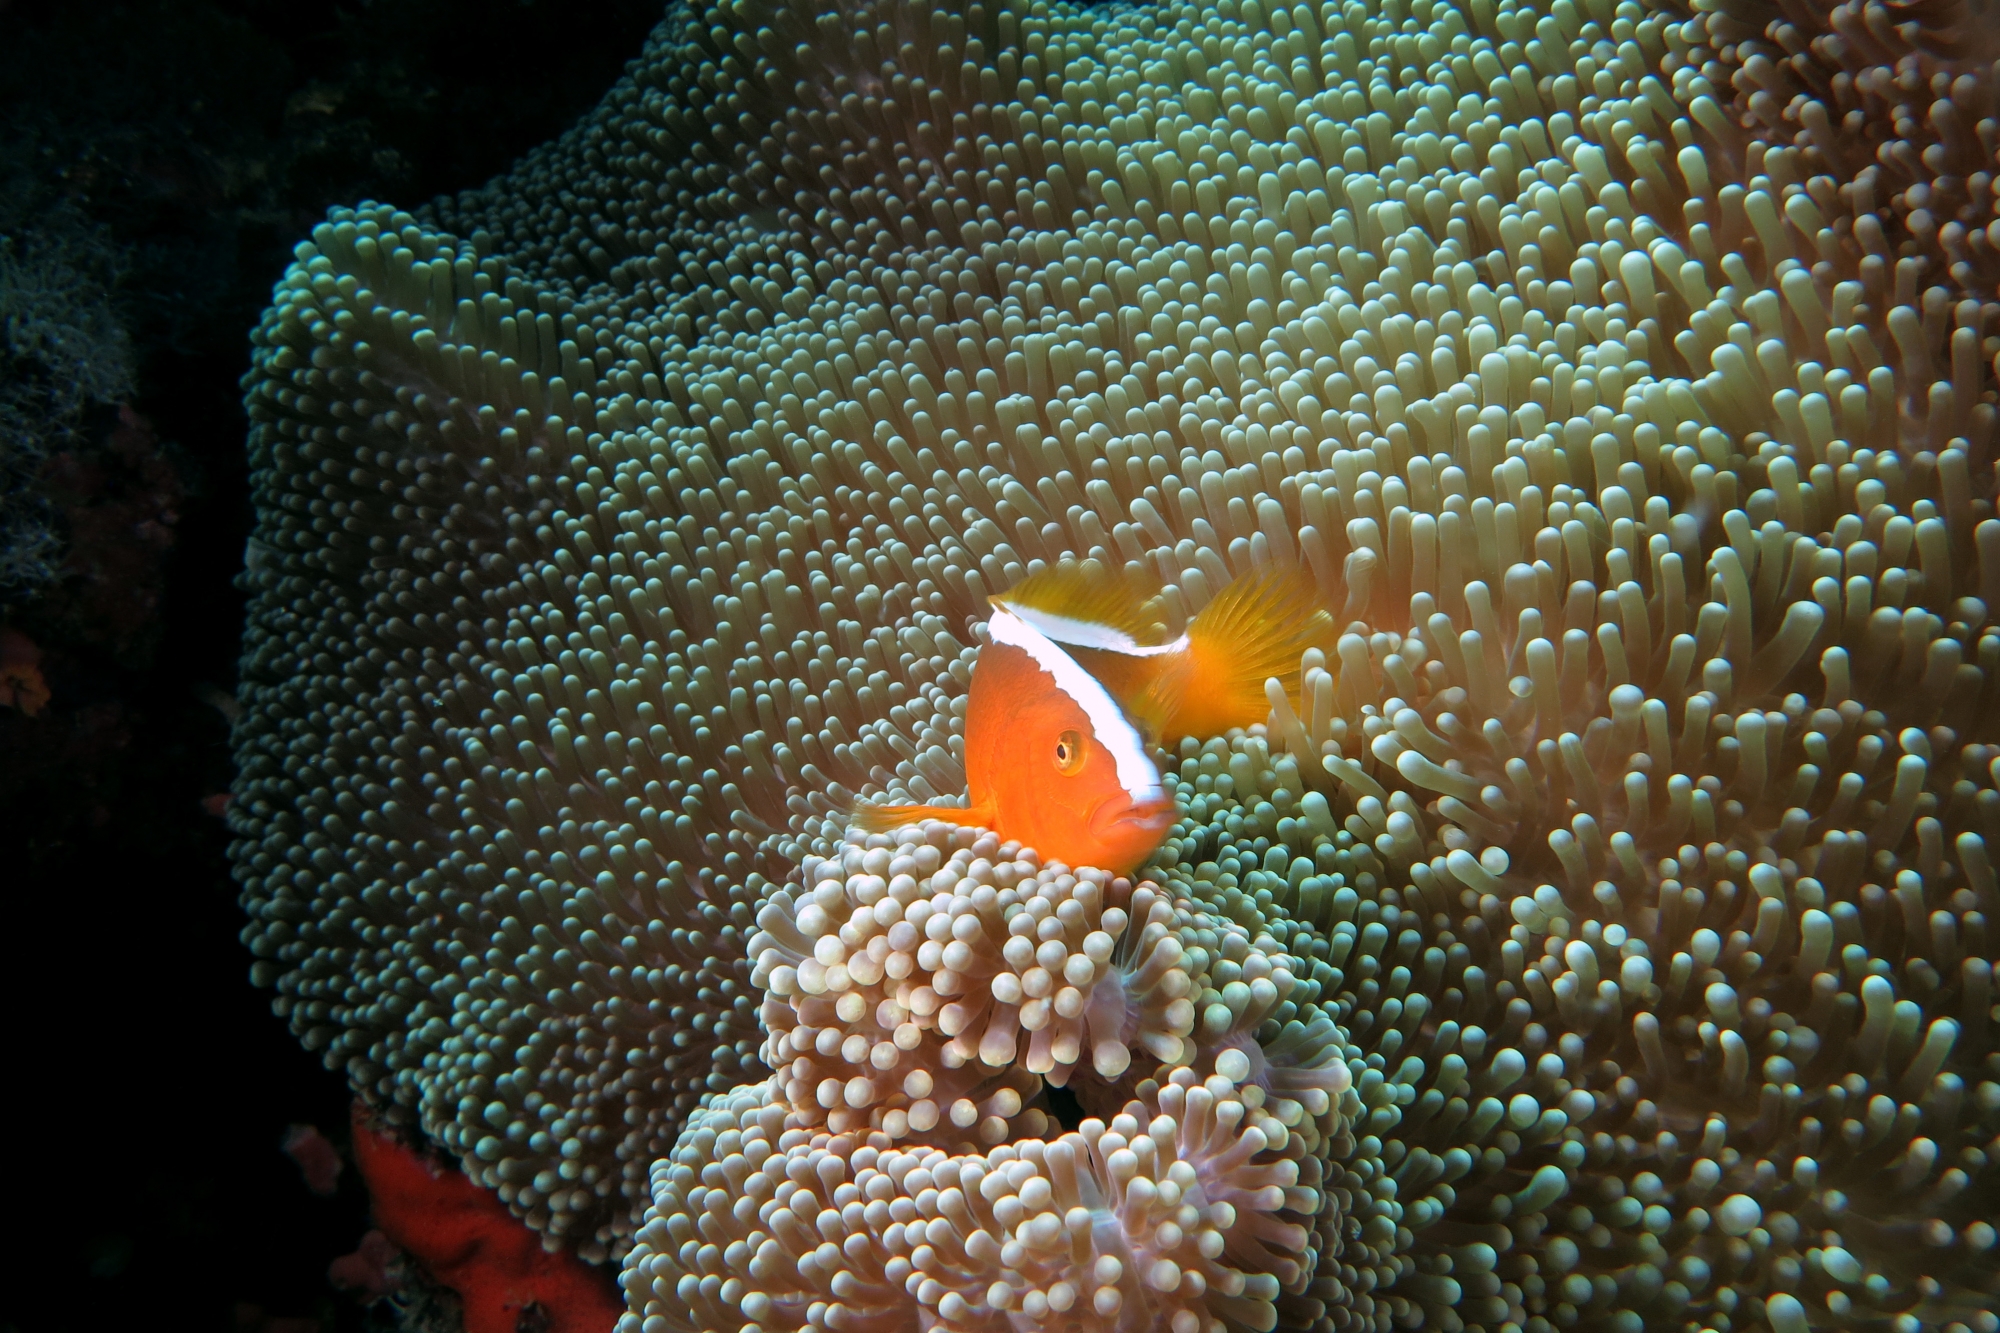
<point x="175" y="152"/>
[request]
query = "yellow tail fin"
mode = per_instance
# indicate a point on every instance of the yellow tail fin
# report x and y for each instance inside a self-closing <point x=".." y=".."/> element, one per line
<point x="1257" y="627"/>
<point x="882" y="818"/>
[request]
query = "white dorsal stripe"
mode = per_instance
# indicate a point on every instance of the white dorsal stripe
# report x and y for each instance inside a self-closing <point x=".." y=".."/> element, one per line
<point x="1136" y="772"/>
<point x="1089" y="634"/>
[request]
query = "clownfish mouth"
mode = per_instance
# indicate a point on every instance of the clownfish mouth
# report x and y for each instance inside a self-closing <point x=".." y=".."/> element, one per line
<point x="1122" y="818"/>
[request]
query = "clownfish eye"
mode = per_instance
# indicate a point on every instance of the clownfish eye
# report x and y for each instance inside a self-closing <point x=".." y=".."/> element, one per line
<point x="1069" y="753"/>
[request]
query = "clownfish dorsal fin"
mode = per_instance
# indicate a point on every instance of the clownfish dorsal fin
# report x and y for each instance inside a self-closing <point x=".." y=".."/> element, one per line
<point x="1081" y="604"/>
<point x="1256" y="628"/>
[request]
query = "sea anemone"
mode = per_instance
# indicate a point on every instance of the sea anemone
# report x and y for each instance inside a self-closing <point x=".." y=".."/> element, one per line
<point x="1142" y="1222"/>
<point x="1599" y="935"/>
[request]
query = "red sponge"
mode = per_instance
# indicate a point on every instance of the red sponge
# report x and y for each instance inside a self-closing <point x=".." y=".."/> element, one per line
<point x="466" y="1239"/>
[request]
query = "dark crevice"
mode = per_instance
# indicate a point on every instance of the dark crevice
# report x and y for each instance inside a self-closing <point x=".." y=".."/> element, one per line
<point x="1064" y="1106"/>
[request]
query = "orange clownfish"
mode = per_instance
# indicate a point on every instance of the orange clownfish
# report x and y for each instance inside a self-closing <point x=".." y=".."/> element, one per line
<point x="1074" y="680"/>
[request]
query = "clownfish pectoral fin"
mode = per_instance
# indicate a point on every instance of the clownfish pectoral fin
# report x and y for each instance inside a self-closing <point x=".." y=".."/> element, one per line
<point x="882" y="818"/>
<point x="1256" y="628"/>
<point x="1082" y="604"/>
